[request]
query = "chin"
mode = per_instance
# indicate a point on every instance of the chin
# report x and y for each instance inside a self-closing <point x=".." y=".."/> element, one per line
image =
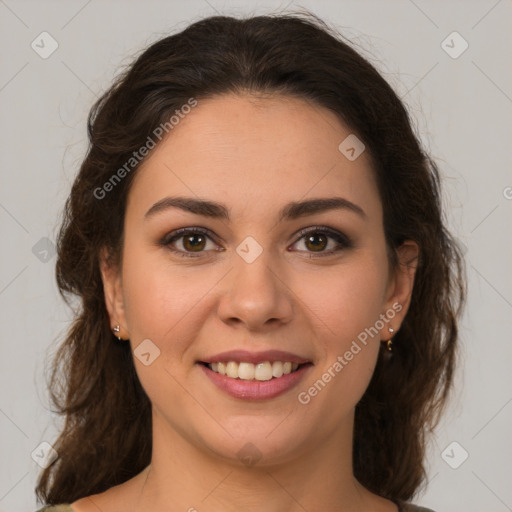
<point x="258" y="440"/>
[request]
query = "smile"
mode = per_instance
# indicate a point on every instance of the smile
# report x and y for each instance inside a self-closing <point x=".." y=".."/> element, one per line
<point x="263" y="371"/>
<point x="267" y="380"/>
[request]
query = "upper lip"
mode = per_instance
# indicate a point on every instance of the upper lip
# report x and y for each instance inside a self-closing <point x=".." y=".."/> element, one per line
<point x="255" y="357"/>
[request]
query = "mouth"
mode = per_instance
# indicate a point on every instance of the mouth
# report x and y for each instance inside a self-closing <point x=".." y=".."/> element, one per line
<point x="255" y="376"/>
<point x="254" y="381"/>
<point x="263" y="371"/>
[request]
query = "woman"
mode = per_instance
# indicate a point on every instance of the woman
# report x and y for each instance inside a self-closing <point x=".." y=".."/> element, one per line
<point x="269" y="296"/>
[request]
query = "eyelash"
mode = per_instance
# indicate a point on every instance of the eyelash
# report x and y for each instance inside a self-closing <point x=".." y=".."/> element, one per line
<point x="343" y="241"/>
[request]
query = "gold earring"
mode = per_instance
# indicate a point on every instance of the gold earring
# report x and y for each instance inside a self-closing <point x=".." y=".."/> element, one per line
<point x="389" y="343"/>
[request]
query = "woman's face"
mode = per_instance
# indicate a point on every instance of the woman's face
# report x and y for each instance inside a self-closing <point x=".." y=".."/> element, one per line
<point x="250" y="283"/>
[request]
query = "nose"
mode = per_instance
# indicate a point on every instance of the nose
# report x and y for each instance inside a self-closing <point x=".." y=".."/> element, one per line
<point x="256" y="296"/>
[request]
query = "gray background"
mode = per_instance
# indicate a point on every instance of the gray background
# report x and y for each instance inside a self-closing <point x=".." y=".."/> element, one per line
<point x="461" y="107"/>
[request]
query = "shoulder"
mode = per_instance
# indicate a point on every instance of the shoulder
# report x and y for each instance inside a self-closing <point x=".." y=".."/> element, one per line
<point x="64" y="507"/>
<point x="409" y="507"/>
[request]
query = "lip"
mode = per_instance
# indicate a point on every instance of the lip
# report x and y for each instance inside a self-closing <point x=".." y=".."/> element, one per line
<point x="255" y="357"/>
<point x="256" y="390"/>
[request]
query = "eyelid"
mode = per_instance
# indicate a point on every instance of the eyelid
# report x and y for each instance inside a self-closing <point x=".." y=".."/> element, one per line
<point x="179" y="233"/>
<point x="323" y="229"/>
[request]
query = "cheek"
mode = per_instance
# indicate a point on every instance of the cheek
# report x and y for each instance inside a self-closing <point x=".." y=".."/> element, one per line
<point x="162" y="304"/>
<point x="159" y="295"/>
<point x="346" y="303"/>
<point x="347" y="299"/>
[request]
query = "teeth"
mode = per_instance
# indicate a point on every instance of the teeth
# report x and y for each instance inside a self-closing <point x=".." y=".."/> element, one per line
<point x="277" y="369"/>
<point x="263" y="371"/>
<point x="248" y="371"/>
<point x="232" y="369"/>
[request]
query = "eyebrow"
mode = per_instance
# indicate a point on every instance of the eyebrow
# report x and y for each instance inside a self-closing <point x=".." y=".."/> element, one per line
<point x="291" y="211"/>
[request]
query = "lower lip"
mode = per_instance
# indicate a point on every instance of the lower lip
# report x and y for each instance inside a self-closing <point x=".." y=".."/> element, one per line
<point x="254" y="389"/>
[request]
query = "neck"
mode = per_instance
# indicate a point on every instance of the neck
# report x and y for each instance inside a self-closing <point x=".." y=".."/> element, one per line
<point x="192" y="479"/>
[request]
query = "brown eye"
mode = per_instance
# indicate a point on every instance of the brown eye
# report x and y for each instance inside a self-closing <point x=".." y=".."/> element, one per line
<point x="323" y="241"/>
<point x="190" y="242"/>
<point x="194" y="242"/>
<point x="316" y="241"/>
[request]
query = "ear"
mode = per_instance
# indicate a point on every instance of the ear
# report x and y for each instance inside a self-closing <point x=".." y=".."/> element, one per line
<point x="113" y="289"/>
<point x="399" y="291"/>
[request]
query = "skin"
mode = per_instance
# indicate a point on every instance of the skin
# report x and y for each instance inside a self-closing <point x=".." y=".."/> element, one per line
<point x="254" y="155"/>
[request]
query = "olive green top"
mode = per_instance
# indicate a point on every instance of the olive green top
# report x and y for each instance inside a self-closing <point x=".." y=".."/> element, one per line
<point x="402" y="507"/>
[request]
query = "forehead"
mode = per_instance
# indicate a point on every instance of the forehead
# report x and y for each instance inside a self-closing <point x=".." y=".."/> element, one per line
<point x="240" y="149"/>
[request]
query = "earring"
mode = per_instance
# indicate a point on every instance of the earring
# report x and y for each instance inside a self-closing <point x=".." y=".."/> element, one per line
<point x="116" y="331"/>
<point x="389" y="343"/>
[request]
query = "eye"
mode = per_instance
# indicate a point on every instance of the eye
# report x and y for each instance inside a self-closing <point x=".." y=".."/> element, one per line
<point x="319" y="238"/>
<point x="318" y="241"/>
<point x="187" y="241"/>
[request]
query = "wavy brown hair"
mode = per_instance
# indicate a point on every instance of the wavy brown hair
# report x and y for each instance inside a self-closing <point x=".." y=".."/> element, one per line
<point x="106" y="438"/>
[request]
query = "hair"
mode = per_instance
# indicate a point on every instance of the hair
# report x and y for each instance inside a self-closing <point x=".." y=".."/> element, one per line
<point x="107" y="437"/>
